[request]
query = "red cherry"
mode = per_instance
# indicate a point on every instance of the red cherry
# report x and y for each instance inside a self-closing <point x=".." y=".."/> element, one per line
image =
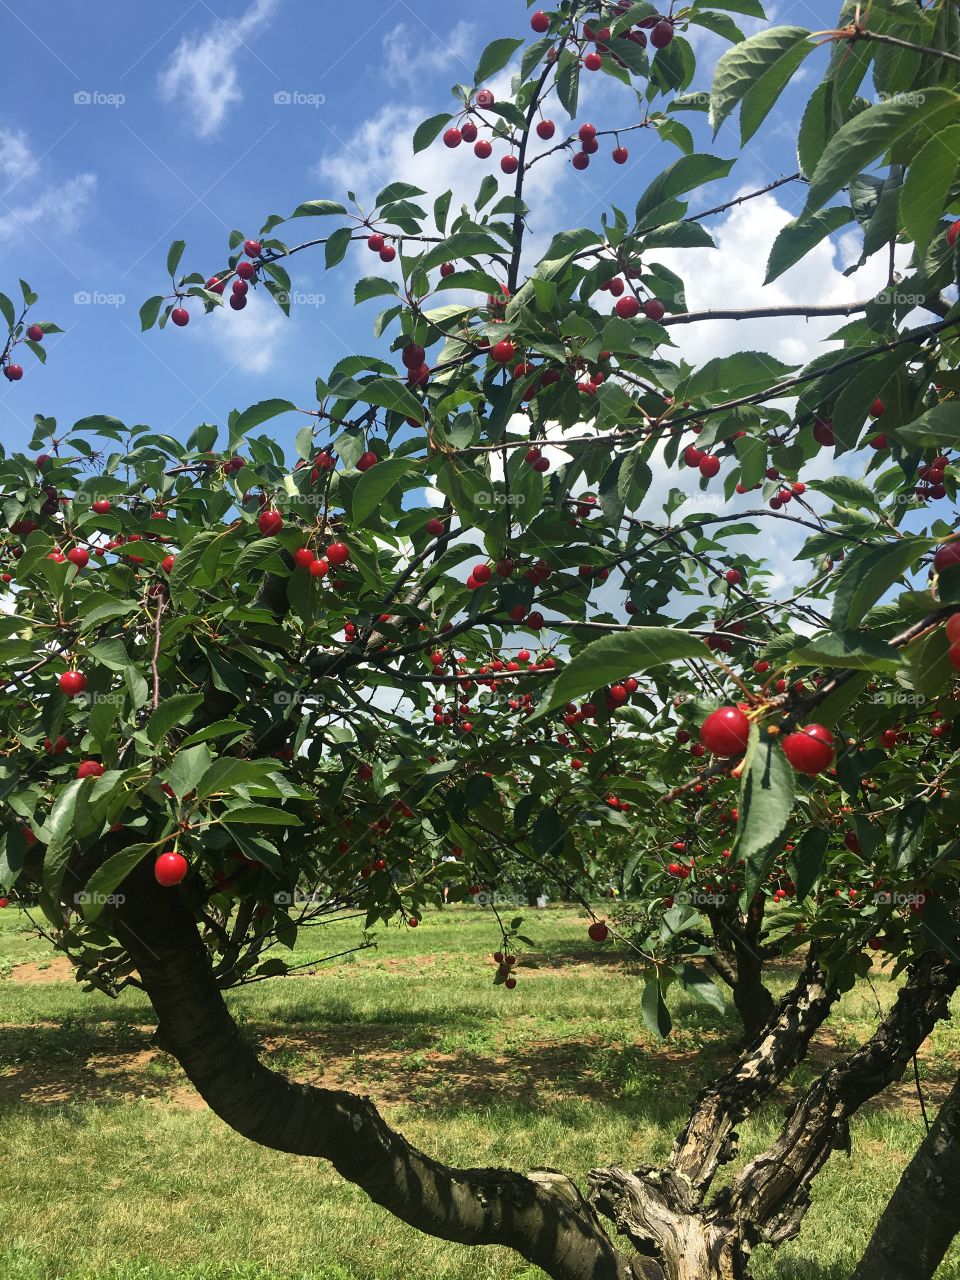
<point x="338" y="553"/>
<point x="692" y="455"/>
<point x="620" y="155"/>
<point x="593" y="62"/>
<point x="546" y="129"/>
<point x="483" y="150"/>
<point x="953" y="231"/>
<point x="662" y="34"/>
<point x="79" y="556"/>
<point x="366" y="461"/>
<point x="270" y="522"/>
<point x="101" y="506"/>
<point x="180" y="317"/>
<point x="73" y="683"/>
<point x="319" y="568"/>
<point x="246" y="270"/>
<point x="587" y="132"/>
<point x="482" y="573"/>
<point x="811" y="749"/>
<point x="447" y="269"/>
<point x="435" y="527"/>
<point x="953" y="655"/>
<point x="375" y="242"/>
<point x="733" y="576"/>
<point x="452" y="138"/>
<point x="413" y="355"/>
<point x="468" y="131"/>
<point x="581" y="160"/>
<point x="709" y="465"/>
<point x="167" y="563"/>
<point x="851" y="840"/>
<point x="510" y="164"/>
<point x="216" y="285"/>
<point x="485" y="98"/>
<point x="503" y="351"/>
<point x="535" y="621"/>
<point x="252" y="248"/>
<point x="413" y="922"/>
<point x="598" y="931"/>
<point x="540" y="22"/>
<point x="627" y="307"/>
<point x="387" y="253"/>
<point x="947" y="556"/>
<point x="303" y="557"/>
<point x="877" y="408"/>
<point x="725" y="732"/>
<point x="654" y="309"/>
<point x="238" y="301"/>
<point x="170" y="868"/>
<point x="90" y="769"/>
<point x="35" y="333"/>
<point x="823" y="433"/>
<point x="13" y="372"/>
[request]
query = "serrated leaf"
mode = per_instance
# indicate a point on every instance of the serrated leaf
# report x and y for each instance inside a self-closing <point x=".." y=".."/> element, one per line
<point x="797" y="238"/>
<point x="746" y="66"/>
<point x="766" y="802"/>
<point x="317" y="209"/>
<point x="374" y="485"/>
<point x="336" y="247"/>
<point x="149" y="313"/>
<point x="429" y="131"/>
<point x="261" y="412"/>
<point x="494" y="58"/>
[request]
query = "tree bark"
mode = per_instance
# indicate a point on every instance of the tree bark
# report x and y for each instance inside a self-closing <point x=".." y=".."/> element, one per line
<point x="923" y="1214"/>
<point x="541" y="1215"/>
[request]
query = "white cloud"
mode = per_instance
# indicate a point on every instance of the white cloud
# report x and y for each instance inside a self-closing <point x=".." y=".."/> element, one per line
<point x="49" y="205"/>
<point x="16" y="157"/>
<point x="201" y="74"/>
<point x="250" y="338"/>
<point x="411" y="53"/>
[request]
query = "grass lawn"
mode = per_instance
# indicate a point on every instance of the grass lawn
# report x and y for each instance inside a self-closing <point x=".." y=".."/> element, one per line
<point x="112" y="1169"/>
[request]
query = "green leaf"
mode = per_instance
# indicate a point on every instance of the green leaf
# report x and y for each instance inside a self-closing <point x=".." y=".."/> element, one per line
<point x="797" y="238"/>
<point x="752" y="453"/>
<point x="149" y="313"/>
<point x="429" y="131"/>
<point x="766" y="801"/>
<point x="867" y="573"/>
<point x="701" y="987"/>
<point x="229" y="772"/>
<point x="107" y="877"/>
<point x="684" y="174"/>
<point x="549" y="833"/>
<point x="263" y="411"/>
<point x="188" y="561"/>
<point x="858" y="650"/>
<point x="776" y="53"/>
<point x="398" y="191"/>
<point x="622" y="654"/>
<point x="187" y="769"/>
<point x="374" y="287"/>
<point x="7" y="311"/>
<point x="905" y="834"/>
<point x="938" y="428"/>
<point x="336" y="247"/>
<point x="171" y="712"/>
<point x="374" y="485"/>
<point x="220" y="729"/>
<point x="494" y="58"/>
<point x="262" y="815"/>
<point x="807" y="860"/>
<point x="728" y="377"/>
<point x="317" y="209"/>
<point x="174" y="254"/>
<point x="568" y="81"/>
<point x="763" y="93"/>
<point x="59" y="830"/>
<point x="656" y="1015"/>
<point x="871" y="133"/>
<point x="463" y="244"/>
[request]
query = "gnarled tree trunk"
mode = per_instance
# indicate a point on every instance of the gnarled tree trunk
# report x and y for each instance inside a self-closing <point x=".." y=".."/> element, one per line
<point x="923" y="1215"/>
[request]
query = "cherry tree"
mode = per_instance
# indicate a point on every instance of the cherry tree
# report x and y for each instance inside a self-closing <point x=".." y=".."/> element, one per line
<point x="243" y="691"/>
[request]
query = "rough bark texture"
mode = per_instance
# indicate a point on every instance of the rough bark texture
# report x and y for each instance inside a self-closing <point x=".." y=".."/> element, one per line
<point x="923" y="1214"/>
<point x="542" y="1216"/>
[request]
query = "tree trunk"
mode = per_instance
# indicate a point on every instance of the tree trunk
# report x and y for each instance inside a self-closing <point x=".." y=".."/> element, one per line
<point x="541" y="1215"/>
<point x="923" y="1214"/>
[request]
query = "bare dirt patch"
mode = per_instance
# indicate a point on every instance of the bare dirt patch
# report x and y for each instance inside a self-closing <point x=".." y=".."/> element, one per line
<point x="57" y="970"/>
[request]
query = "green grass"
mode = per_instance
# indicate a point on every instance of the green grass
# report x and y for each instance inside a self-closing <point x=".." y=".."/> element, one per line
<point x="110" y="1170"/>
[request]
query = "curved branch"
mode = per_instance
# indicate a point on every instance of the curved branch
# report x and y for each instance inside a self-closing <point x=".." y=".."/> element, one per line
<point x="541" y="1215"/>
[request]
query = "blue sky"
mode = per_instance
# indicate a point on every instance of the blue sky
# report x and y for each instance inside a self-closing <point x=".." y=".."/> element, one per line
<point x="183" y="139"/>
